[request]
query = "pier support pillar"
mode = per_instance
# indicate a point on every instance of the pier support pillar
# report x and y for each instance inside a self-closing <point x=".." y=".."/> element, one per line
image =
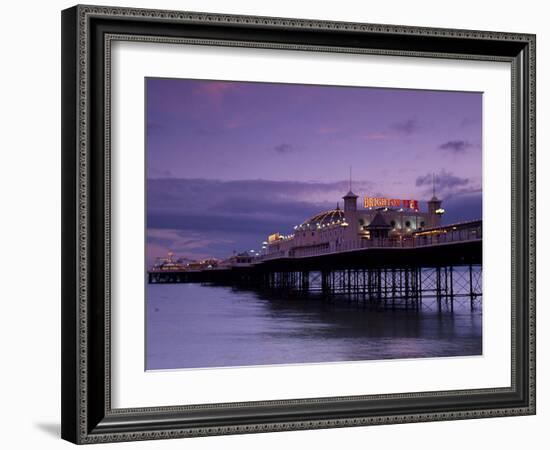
<point x="452" y="295"/>
<point x="472" y="295"/>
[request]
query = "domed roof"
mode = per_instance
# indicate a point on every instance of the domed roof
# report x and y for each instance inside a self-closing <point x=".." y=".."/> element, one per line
<point x="331" y="217"/>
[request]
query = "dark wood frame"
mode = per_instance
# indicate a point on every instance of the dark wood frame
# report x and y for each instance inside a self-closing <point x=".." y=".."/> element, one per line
<point x="87" y="32"/>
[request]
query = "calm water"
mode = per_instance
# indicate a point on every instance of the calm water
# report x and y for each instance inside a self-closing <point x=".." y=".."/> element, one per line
<point x="192" y="326"/>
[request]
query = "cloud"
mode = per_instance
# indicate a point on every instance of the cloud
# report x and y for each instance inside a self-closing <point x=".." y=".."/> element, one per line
<point x="395" y="131"/>
<point x="232" y="124"/>
<point x="215" y="223"/>
<point x="201" y="218"/>
<point x="214" y="89"/>
<point x="456" y="146"/>
<point x="392" y="132"/>
<point x="185" y="244"/>
<point x="445" y="182"/>
<point x="186" y="192"/>
<point x="466" y="206"/>
<point x="380" y="136"/>
<point x="329" y="130"/>
<point x="253" y="207"/>
<point x="182" y="241"/>
<point x="214" y="92"/>
<point x="284" y="148"/>
<point x="462" y="197"/>
<point x="406" y="127"/>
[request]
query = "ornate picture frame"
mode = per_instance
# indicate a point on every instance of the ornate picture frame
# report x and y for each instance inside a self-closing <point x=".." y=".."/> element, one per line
<point x="88" y="33"/>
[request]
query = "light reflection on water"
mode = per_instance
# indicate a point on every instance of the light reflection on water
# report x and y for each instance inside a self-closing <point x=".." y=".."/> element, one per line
<point x="193" y="326"/>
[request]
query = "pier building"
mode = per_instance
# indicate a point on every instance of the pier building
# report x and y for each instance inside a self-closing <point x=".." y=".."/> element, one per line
<point x="377" y="219"/>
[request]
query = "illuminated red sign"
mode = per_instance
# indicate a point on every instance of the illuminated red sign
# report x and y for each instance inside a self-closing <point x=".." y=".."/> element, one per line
<point x="382" y="202"/>
<point x="411" y="204"/>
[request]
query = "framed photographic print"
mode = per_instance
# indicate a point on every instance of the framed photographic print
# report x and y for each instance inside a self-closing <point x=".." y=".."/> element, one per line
<point x="280" y="224"/>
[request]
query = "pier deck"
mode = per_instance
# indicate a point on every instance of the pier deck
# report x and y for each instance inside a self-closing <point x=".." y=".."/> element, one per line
<point x="390" y="275"/>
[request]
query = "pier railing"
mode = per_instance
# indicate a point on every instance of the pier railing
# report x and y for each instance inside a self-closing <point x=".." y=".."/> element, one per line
<point x="427" y="240"/>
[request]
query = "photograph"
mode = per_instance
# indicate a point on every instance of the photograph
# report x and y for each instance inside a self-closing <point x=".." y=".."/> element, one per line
<point x="289" y="219"/>
<point x="302" y="224"/>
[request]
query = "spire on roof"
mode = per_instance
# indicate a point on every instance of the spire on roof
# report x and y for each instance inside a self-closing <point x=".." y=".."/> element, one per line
<point x="350" y="199"/>
<point x="350" y="193"/>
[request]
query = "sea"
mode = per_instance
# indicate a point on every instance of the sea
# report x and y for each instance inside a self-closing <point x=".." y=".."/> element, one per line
<point x="190" y="326"/>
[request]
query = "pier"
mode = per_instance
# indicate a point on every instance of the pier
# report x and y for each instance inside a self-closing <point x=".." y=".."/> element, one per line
<point x="441" y="269"/>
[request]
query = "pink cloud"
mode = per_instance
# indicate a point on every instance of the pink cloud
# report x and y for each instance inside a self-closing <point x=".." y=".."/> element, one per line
<point x="232" y="124"/>
<point x="184" y="244"/>
<point x="380" y="136"/>
<point x="214" y="91"/>
<point x="333" y="132"/>
<point x="329" y="130"/>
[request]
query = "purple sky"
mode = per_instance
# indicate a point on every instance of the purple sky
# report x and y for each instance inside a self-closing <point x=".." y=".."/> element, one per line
<point x="230" y="162"/>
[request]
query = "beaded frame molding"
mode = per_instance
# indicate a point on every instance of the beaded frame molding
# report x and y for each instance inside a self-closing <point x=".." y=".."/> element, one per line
<point x="87" y="35"/>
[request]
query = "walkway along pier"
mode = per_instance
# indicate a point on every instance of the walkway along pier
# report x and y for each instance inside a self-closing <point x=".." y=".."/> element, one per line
<point x="381" y="273"/>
